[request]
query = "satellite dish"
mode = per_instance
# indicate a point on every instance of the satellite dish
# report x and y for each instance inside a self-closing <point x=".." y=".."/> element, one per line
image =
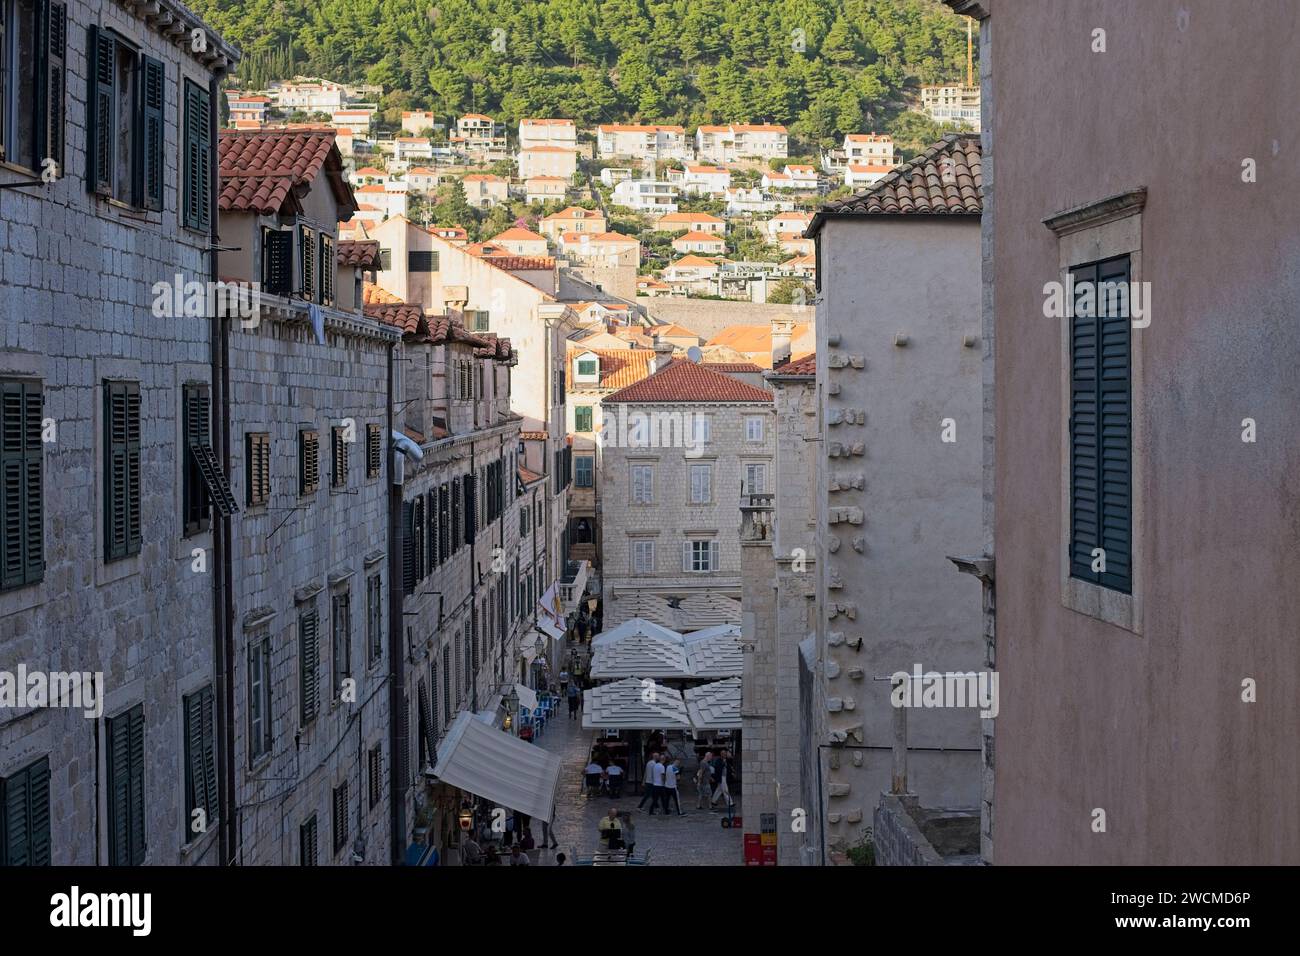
<point x="694" y="354"/>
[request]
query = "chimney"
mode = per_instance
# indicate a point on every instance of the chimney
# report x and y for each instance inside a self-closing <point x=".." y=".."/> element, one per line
<point x="663" y="355"/>
<point x="782" y="332"/>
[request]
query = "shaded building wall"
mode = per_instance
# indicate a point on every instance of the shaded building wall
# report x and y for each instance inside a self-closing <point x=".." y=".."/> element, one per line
<point x="1148" y="723"/>
<point x="899" y="499"/>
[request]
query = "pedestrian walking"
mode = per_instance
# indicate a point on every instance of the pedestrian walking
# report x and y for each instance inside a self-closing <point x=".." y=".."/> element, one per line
<point x="672" y="771"/>
<point x="648" y="783"/>
<point x="704" y="781"/>
<point x="548" y="838"/>
<point x="574" y="700"/>
<point x="658" y="777"/>
<point x="721" y="763"/>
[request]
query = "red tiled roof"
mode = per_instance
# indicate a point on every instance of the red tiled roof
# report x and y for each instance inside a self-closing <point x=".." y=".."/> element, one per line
<point x="260" y="168"/>
<point x="528" y="477"/>
<point x="619" y="368"/>
<point x="734" y="368"/>
<point x="943" y="181"/>
<point x="402" y="315"/>
<point x="683" y="382"/>
<point x="358" y="252"/>
<point x="805" y="366"/>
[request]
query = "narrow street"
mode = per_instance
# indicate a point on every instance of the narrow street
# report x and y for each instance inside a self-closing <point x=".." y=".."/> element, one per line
<point x="696" y="839"/>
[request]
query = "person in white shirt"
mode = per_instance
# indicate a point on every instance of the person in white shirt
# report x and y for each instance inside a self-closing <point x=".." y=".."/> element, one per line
<point x="518" y="857"/>
<point x="615" y="773"/>
<point x="671" y="771"/>
<point x="593" y="773"/>
<point x="647" y="783"/>
<point x="657" y="777"/>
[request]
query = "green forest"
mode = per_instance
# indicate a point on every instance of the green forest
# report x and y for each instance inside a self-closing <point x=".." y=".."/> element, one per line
<point x="821" y="67"/>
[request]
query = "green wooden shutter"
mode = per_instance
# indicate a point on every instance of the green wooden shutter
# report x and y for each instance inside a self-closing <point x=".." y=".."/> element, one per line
<point x="197" y="158"/>
<point x="308" y="852"/>
<point x="121" y="469"/>
<point x="277" y="262"/>
<point x="309" y="664"/>
<point x="101" y="117"/>
<point x="469" y="483"/>
<point x="25" y="827"/>
<point x="1100" y="429"/>
<point x="51" y="81"/>
<point x="307" y="251"/>
<point x="21" y="503"/>
<point x="126" y="788"/>
<point x="137" y="785"/>
<point x="151" y="98"/>
<point x="408" y="547"/>
<point x="327" y="266"/>
<point x="430" y="532"/>
<point x="308" y="462"/>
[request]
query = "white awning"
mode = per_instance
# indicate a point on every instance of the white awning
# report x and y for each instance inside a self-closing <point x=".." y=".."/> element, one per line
<point x="634" y="705"/>
<point x="715" y="706"/>
<point x="640" y="655"/>
<point x="527" y="696"/>
<point x="636" y="625"/>
<point x="496" y="766"/>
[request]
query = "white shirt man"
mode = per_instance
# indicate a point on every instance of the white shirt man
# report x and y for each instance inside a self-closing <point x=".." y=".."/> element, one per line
<point x="614" y="770"/>
<point x="670" y="788"/>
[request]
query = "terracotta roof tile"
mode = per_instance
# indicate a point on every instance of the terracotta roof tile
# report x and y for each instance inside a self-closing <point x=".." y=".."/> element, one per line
<point x="359" y="252"/>
<point x="528" y="477"/>
<point x="944" y="180"/>
<point x="753" y="338"/>
<point x="683" y="382"/>
<point x="619" y="368"/>
<point x="260" y="168"/>
<point x="805" y="366"/>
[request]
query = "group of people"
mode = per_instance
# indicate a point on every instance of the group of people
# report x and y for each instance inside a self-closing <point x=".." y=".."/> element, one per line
<point x="660" y="783"/>
<point x="606" y="778"/>
<point x="711" y="780"/>
<point x="617" y="831"/>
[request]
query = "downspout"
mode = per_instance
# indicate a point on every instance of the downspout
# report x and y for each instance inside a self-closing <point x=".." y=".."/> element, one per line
<point x="397" y="743"/>
<point x="223" y="603"/>
<point x="470" y="518"/>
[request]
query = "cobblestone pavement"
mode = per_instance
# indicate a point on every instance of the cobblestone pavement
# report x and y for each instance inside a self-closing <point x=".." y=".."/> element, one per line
<point x="696" y="839"/>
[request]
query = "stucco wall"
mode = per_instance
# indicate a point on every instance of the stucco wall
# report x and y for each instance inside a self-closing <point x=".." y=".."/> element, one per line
<point x="1151" y="727"/>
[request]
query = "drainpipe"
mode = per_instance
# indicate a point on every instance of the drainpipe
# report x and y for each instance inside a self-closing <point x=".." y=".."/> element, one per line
<point x="223" y="602"/>
<point x="397" y="744"/>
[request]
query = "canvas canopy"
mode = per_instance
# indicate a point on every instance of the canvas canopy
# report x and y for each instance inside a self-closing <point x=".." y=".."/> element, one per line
<point x="499" y="767"/>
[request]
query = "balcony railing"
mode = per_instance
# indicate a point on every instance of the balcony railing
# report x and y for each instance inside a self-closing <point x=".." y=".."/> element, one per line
<point x="573" y="584"/>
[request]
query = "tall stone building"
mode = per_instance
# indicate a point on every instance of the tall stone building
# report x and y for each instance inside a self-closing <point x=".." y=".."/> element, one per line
<point x="779" y="558"/>
<point x="108" y="559"/>
<point x="679" y="449"/>
<point x="898" y="494"/>
<point x="309" y="410"/>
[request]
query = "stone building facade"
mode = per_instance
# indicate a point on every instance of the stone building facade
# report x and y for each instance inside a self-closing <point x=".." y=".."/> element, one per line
<point x="901" y="485"/>
<point x="679" y="448"/>
<point x="309" y="419"/>
<point x="103" y="571"/>
<point x="779" y="559"/>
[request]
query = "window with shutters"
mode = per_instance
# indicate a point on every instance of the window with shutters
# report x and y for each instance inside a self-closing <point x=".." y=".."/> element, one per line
<point x="584" y="471"/>
<point x="755" y="478"/>
<point x="25" y="816"/>
<point x="259" y="699"/>
<point x="339" y="457"/>
<point x="22" y="499"/>
<point x="257" y="467"/>
<point x="307" y="258"/>
<point x="375" y="768"/>
<point x="340" y="815"/>
<point x="33" y="81"/>
<point x="200" y="763"/>
<point x="642" y="477"/>
<point x="277" y="261"/>
<point x="435" y="692"/>
<point x="700" y="556"/>
<point x="469" y="484"/>
<point x="465" y="656"/>
<point x="1100" y="426"/>
<point x="121" y="469"/>
<point x="446" y="683"/>
<point x="375" y="617"/>
<point x="309" y="843"/>
<point x="455" y="515"/>
<point x="125" y="129"/>
<point x="308" y="665"/>
<point x="525" y="525"/>
<point x="385" y="260"/>
<point x="197" y="418"/>
<point x="126" y="836"/>
<point x="374" y="450"/>
<point x="196" y="158"/>
<point x="643" y="557"/>
<point x="701" y="484"/>
<point x="754" y="428"/>
<point x="308" y="461"/>
<point x="701" y="429"/>
<point x="327" y="270"/>
<point x="582" y="418"/>
<point x="341" y="633"/>
<point x="431" y="552"/>
<point x="409" y="573"/>
<point x="444" y="521"/>
<point x="420" y="261"/>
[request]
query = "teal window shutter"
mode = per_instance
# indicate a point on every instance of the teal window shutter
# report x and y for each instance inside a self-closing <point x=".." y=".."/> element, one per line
<point x="25" y="816"/>
<point x="1101" y="503"/>
<point x="151" y="98"/>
